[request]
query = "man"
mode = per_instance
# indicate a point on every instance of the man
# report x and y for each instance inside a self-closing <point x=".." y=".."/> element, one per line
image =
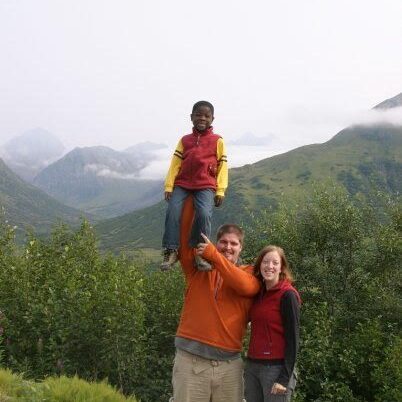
<point x="208" y="366"/>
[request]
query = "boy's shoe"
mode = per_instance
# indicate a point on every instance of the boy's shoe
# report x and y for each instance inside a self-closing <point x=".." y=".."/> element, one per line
<point x="201" y="264"/>
<point x="169" y="258"/>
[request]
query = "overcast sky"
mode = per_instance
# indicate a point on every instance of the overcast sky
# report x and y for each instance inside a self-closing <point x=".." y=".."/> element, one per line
<point x="115" y="73"/>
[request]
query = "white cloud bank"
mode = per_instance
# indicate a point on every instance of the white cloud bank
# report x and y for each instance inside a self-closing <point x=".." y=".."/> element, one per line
<point x="377" y="116"/>
<point x="240" y="154"/>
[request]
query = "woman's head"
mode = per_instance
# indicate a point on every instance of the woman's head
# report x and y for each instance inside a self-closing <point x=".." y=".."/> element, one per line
<point x="272" y="266"/>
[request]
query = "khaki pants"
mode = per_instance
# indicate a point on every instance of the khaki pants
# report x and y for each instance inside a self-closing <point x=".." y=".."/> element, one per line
<point x="196" y="379"/>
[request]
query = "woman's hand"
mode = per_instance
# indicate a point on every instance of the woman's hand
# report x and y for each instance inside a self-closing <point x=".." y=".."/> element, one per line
<point x="278" y="389"/>
<point x="202" y="246"/>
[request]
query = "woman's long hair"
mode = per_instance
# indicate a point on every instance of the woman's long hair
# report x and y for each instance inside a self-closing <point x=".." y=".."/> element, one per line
<point x="285" y="273"/>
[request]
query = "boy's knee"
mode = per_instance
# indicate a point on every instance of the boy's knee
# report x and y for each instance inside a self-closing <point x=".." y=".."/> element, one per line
<point x="204" y="214"/>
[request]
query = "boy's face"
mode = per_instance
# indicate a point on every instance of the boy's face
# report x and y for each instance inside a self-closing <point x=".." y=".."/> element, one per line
<point x="202" y="118"/>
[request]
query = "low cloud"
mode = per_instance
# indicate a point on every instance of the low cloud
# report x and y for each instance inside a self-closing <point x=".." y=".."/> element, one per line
<point x="238" y="155"/>
<point x="249" y="139"/>
<point x="251" y="149"/>
<point x="378" y="116"/>
<point x="105" y="171"/>
<point x="158" y="167"/>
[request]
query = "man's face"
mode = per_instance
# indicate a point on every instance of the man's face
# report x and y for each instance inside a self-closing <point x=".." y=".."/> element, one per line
<point x="229" y="245"/>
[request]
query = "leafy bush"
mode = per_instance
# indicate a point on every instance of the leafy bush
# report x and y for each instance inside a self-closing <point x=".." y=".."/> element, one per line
<point x="69" y="311"/>
<point x="346" y="260"/>
<point x="387" y="376"/>
<point x="65" y="309"/>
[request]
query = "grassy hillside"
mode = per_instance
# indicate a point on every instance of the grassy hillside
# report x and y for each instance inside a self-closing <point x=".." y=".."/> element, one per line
<point x="26" y="206"/>
<point x="361" y="158"/>
<point x="116" y="197"/>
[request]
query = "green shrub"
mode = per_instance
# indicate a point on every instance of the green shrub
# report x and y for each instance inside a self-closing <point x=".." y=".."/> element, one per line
<point x="65" y="309"/>
<point x="387" y="376"/>
<point x="163" y="298"/>
<point x="346" y="259"/>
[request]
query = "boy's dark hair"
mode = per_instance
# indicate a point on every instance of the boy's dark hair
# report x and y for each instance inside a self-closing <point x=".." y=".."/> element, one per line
<point x="230" y="228"/>
<point x="203" y="103"/>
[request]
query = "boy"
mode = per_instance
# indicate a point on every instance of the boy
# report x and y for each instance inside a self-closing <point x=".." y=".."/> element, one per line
<point x="198" y="167"/>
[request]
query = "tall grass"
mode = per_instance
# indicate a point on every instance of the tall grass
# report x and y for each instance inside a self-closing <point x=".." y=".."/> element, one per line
<point x="61" y="389"/>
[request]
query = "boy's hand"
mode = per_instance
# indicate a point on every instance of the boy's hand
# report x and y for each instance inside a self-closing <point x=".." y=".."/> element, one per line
<point x="168" y="194"/>
<point x="218" y="200"/>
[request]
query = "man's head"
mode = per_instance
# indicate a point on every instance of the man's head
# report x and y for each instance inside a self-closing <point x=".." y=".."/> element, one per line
<point x="229" y="241"/>
<point x="202" y="115"/>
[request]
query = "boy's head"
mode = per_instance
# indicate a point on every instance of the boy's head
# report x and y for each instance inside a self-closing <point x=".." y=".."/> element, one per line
<point x="202" y="115"/>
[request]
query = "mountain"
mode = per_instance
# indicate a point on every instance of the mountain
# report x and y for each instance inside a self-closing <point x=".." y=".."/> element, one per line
<point x="361" y="158"/>
<point x="100" y="181"/>
<point x="31" y="151"/>
<point x="28" y="207"/>
<point x="390" y="103"/>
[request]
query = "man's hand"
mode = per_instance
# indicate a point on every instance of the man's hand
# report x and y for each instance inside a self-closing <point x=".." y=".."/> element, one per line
<point x="218" y="200"/>
<point x="168" y="195"/>
<point x="202" y="246"/>
<point x="278" y="389"/>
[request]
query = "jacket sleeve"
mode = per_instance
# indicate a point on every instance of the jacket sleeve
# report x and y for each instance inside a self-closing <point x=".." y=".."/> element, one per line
<point x="186" y="253"/>
<point x="174" y="168"/>
<point x="222" y="172"/>
<point x="290" y="312"/>
<point x="242" y="281"/>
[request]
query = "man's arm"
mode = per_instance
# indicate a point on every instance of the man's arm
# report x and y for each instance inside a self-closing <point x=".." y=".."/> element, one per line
<point x="244" y="283"/>
<point x="186" y="253"/>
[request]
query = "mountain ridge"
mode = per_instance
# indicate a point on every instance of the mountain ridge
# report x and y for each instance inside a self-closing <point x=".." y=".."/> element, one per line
<point x="100" y="180"/>
<point x="359" y="158"/>
<point x="28" y="153"/>
<point x="395" y="101"/>
<point x="27" y="207"/>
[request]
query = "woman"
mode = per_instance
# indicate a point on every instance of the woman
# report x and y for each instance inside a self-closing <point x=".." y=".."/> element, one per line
<point x="274" y="339"/>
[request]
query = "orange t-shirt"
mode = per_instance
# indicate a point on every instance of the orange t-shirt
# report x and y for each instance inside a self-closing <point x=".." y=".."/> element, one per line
<point x="217" y="302"/>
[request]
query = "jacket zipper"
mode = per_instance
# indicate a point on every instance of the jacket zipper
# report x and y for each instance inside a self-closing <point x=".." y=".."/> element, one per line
<point x="217" y="287"/>
<point x="269" y="338"/>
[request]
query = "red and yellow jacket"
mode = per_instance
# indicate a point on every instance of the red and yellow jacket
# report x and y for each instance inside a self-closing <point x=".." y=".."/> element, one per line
<point x="199" y="162"/>
<point x="216" y="303"/>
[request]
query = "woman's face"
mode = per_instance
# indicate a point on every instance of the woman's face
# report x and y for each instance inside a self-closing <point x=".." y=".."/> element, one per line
<point x="270" y="267"/>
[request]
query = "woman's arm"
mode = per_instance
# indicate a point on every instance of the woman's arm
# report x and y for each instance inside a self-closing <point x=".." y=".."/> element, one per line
<point x="290" y="312"/>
